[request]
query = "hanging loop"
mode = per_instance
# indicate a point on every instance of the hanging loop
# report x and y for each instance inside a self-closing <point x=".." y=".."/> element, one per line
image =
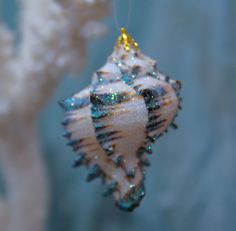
<point x="118" y="25"/>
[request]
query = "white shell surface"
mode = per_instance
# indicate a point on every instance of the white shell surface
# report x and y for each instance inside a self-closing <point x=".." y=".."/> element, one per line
<point x="112" y="123"/>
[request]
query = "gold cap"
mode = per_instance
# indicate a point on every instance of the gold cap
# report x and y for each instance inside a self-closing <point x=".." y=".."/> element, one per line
<point x="126" y="41"/>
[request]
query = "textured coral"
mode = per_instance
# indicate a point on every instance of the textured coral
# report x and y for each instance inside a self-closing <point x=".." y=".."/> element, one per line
<point x="53" y="42"/>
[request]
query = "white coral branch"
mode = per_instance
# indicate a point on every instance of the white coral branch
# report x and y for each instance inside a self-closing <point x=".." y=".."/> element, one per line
<point x="6" y="54"/>
<point x="93" y="29"/>
<point x="53" y="42"/>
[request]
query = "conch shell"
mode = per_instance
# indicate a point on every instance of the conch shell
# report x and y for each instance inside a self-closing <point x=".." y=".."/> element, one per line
<point x="112" y="124"/>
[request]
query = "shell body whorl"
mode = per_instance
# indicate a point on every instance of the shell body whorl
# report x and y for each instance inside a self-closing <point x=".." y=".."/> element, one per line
<point x="112" y="123"/>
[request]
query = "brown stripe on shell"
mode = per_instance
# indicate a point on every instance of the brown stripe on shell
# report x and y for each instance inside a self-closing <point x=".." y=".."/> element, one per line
<point x="155" y="126"/>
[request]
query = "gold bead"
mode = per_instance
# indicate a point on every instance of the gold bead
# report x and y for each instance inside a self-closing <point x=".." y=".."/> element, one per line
<point x="126" y="41"/>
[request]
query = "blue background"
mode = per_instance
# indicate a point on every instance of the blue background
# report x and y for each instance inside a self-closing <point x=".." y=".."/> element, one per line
<point x="191" y="183"/>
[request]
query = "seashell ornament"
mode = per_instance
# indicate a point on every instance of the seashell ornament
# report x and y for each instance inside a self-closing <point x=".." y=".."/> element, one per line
<point x="112" y="124"/>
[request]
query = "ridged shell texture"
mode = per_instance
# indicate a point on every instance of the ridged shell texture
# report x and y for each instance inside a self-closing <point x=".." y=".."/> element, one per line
<point x="112" y="124"/>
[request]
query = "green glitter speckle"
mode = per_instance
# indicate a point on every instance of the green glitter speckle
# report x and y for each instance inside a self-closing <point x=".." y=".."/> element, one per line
<point x="152" y="139"/>
<point x="96" y="114"/>
<point x="99" y="126"/>
<point x="151" y="99"/>
<point x="73" y="103"/>
<point x="70" y="104"/>
<point x="133" y="200"/>
<point x="148" y="149"/>
<point x="127" y="79"/>
<point x="109" y="99"/>
<point x="100" y="79"/>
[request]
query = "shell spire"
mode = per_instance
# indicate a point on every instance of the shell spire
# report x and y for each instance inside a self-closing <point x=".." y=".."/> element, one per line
<point x="112" y="123"/>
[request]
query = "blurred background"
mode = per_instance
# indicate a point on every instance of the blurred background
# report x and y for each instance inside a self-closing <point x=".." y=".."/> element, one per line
<point x="191" y="182"/>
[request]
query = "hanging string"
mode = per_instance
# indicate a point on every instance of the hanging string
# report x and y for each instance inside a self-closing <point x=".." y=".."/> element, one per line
<point x="118" y="25"/>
